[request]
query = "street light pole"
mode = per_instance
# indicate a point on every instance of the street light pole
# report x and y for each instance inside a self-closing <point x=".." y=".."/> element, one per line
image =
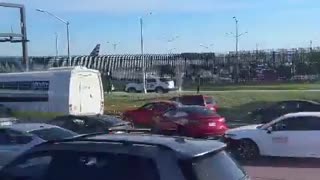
<point x="68" y="39"/>
<point x="142" y="56"/>
<point x="237" y="47"/>
<point x="67" y="23"/>
<point x="56" y="44"/>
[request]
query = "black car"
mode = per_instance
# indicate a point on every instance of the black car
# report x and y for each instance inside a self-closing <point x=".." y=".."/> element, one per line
<point x="125" y="156"/>
<point x="267" y="114"/>
<point x="90" y="124"/>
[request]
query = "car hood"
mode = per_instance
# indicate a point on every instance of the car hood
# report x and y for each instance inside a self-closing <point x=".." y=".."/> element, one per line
<point x="244" y="128"/>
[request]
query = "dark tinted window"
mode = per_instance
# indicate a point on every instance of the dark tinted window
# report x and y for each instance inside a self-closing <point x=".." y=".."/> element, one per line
<point x="149" y="106"/>
<point x="102" y="166"/>
<point x="219" y="166"/>
<point x="164" y="79"/>
<point x="192" y="100"/>
<point x="4" y="137"/>
<point x="291" y="124"/>
<point x="198" y="111"/>
<point x="28" y="167"/>
<point x="53" y="133"/>
<point x="151" y="81"/>
<point x="312" y="123"/>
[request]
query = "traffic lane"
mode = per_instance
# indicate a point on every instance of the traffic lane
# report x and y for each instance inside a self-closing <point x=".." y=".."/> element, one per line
<point x="283" y="169"/>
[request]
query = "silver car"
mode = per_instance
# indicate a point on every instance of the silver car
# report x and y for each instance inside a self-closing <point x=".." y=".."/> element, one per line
<point x="17" y="138"/>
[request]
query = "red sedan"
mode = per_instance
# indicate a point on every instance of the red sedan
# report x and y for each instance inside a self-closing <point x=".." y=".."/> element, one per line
<point x="145" y="114"/>
<point x="193" y="121"/>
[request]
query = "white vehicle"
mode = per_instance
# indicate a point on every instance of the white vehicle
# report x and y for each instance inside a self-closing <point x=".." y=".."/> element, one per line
<point x="154" y="84"/>
<point x="291" y="135"/>
<point x="68" y="90"/>
<point x="17" y="138"/>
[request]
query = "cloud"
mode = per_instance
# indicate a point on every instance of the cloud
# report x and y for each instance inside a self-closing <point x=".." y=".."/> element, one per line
<point x="137" y="6"/>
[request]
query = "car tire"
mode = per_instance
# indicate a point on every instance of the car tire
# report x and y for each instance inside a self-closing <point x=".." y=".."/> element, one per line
<point x="160" y="90"/>
<point x="132" y="90"/>
<point x="247" y="149"/>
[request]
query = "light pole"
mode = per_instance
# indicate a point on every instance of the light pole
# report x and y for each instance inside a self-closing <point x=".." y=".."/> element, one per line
<point x="56" y="44"/>
<point x="142" y="55"/>
<point x="68" y="32"/>
<point x="237" y="45"/>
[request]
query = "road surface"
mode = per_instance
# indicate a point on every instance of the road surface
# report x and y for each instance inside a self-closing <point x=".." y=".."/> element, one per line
<point x="283" y="169"/>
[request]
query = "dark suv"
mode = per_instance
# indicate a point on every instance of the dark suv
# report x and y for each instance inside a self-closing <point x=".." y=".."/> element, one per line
<point x="125" y="157"/>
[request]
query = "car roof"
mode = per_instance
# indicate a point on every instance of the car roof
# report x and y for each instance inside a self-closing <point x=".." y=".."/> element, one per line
<point x="184" y="148"/>
<point x="302" y="114"/>
<point x="27" y="127"/>
<point x="299" y="100"/>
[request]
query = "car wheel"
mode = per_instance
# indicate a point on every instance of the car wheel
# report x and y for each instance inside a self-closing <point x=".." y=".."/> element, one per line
<point x="132" y="90"/>
<point x="160" y="90"/>
<point x="246" y="149"/>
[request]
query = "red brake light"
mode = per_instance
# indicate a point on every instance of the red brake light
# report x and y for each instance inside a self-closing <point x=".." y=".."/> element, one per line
<point x="222" y="119"/>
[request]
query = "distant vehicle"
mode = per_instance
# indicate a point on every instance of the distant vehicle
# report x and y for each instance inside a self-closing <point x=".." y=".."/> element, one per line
<point x="198" y="100"/>
<point x="278" y="109"/>
<point x="126" y="156"/>
<point x="17" y="138"/>
<point x="153" y="84"/>
<point x="192" y="121"/>
<point x="291" y="135"/>
<point x="145" y="114"/>
<point x="90" y="124"/>
<point x="67" y="90"/>
<point x="6" y="116"/>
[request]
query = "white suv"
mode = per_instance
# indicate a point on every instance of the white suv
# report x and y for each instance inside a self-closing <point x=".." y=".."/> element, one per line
<point x="154" y="84"/>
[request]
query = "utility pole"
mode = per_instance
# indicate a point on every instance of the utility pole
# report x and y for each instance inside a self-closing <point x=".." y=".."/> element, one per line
<point x="310" y="45"/>
<point x="56" y="44"/>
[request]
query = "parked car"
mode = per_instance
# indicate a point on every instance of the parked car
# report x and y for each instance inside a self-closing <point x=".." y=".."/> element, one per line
<point x="17" y="138"/>
<point x="291" y="135"/>
<point x="145" y="114"/>
<point x="126" y="156"/>
<point x="193" y="121"/>
<point x="198" y="100"/>
<point x="90" y="123"/>
<point x="153" y="84"/>
<point x="278" y="109"/>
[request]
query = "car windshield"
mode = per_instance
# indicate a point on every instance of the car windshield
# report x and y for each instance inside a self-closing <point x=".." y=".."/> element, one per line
<point x="53" y="133"/>
<point x="218" y="166"/>
<point x="202" y="111"/>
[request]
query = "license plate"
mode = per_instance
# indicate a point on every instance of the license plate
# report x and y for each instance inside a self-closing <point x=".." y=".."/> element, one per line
<point x="212" y="124"/>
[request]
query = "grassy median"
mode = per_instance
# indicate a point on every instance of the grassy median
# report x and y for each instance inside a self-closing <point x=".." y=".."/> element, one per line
<point x="234" y="105"/>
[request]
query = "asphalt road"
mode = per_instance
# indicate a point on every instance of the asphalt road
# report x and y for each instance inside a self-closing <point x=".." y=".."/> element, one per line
<point x="283" y="169"/>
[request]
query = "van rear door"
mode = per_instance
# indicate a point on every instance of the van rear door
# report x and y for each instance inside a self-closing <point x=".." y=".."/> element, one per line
<point x="91" y="95"/>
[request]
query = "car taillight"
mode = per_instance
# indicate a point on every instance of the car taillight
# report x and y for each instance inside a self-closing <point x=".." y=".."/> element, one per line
<point x="222" y="119"/>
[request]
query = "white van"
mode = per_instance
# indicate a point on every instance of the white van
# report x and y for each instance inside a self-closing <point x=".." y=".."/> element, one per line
<point x="67" y="90"/>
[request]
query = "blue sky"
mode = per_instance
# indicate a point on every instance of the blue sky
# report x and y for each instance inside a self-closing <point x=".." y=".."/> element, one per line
<point x="270" y="24"/>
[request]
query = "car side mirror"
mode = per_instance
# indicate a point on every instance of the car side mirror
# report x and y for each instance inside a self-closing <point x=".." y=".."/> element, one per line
<point x="269" y="130"/>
